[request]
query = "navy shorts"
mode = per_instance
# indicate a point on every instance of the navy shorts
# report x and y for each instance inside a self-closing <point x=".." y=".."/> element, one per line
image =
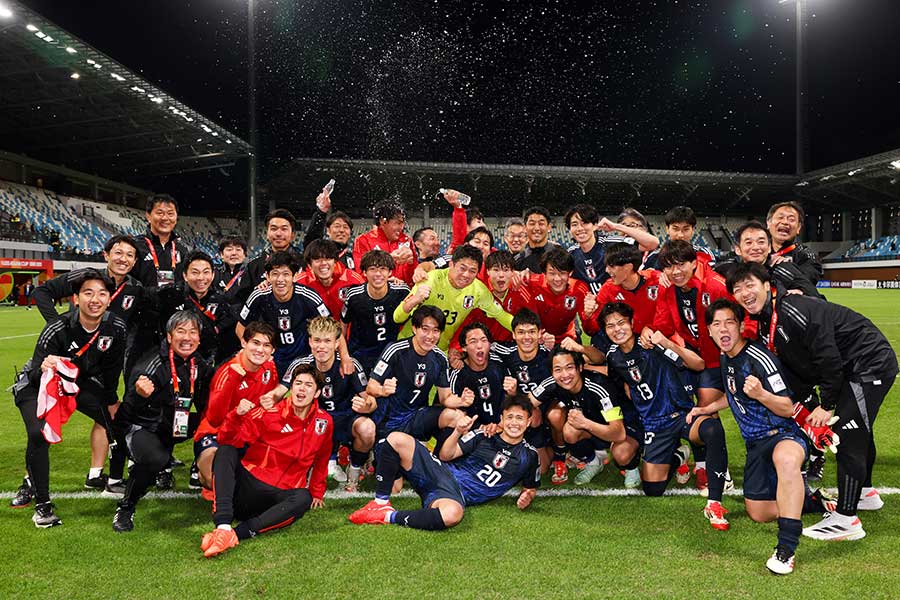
<point x="431" y="479"/>
<point x="711" y="378"/>
<point x="343" y="428"/>
<point x="760" y="477"/>
<point x="539" y="436"/>
<point x="659" y="446"/>
<point x="207" y="441"/>
<point x="422" y="425"/>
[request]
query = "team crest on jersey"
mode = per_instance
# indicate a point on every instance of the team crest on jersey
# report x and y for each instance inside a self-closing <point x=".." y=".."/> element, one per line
<point x="688" y="314"/>
<point x="500" y="460"/>
<point x="591" y="273"/>
<point x="350" y="263"/>
<point x="732" y="385"/>
<point x="327" y="391"/>
<point x="419" y="379"/>
<point x="468" y="301"/>
<point x="104" y="342"/>
<point x="284" y="323"/>
<point x="484" y="392"/>
<point x="522" y="376"/>
<point x="569" y="302"/>
<point x="652" y="292"/>
<point x="321" y="426"/>
<point x="635" y="373"/>
<point x="704" y="299"/>
<point x="127" y="301"/>
<point x="342" y="293"/>
<point x="212" y="308"/>
<point x="266" y="376"/>
<point x="380" y="319"/>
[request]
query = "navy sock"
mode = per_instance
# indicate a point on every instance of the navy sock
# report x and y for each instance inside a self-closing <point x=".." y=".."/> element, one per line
<point x="699" y="452"/>
<point x="559" y="452"/>
<point x="634" y="463"/>
<point x="387" y="471"/>
<point x="789" y="531"/>
<point x="428" y="519"/>
<point x="583" y="450"/>
<point x="357" y="458"/>
<point x="713" y="435"/>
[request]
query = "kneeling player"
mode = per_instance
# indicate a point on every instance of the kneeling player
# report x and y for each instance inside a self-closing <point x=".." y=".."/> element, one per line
<point x="654" y="379"/>
<point x="472" y="469"/>
<point x="283" y="471"/>
<point x="761" y="404"/>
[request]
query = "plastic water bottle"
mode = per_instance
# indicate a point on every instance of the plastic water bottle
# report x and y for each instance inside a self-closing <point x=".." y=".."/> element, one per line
<point x="464" y="199"/>
<point x="329" y="187"/>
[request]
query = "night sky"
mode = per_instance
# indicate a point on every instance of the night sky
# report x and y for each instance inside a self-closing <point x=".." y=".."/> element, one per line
<point x="667" y="84"/>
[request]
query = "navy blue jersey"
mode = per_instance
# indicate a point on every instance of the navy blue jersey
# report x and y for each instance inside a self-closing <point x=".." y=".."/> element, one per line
<point x="528" y="374"/>
<point x="755" y="420"/>
<point x="487" y="386"/>
<point x="598" y="398"/>
<point x="372" y="325"/>
<point x="288" y="318"/>
<point x="337" y="390"/>
<point x="655" y="380"/>
<point x="416" y="375"/>
<point x="590" y="267"/>
<point x="489" y="467"/>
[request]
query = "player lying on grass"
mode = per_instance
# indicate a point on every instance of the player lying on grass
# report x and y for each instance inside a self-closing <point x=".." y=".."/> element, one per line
<point x="283" y="469"/>
<point x="761" y="403"/>
<point x="473" y="469"/>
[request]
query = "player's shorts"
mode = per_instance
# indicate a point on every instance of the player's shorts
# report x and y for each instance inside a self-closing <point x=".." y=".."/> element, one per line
<point x="760" y="477"/>
<point x="207" y="441"/>
<point x="422" y="425"/>
<point x="711" y="378"/>
<point x="539" y="436"/>
<point x="659" y="446"/>
<point x="431" y="479"/>
<point x="343" y="428"/>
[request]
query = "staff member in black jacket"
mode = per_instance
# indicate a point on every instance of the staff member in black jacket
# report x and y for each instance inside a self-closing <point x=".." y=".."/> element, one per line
<point x="784" y="221"/>
<point x="163" y="405"/>
<point x="853" y="364"/>
<point x="94" y="341"/>
<point x="280" y="228"/>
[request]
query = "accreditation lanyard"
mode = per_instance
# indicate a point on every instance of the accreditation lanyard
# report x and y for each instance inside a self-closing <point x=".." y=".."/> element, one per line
<point x="785" y="250"/>
<point x="770" y="343"/>
<point x="182" y="403"/>
<point x="118" y="291"/>
<point x="205" y="311"/>
<point x="235" y="278"/>
<point x="88" y="345"/>
<point x="156" y="258"/>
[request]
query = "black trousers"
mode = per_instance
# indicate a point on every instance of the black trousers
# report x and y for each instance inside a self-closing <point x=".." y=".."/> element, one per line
<point x="241" y="495"/>
<point x="150" y="452"/>
<point x="37" y="450"/>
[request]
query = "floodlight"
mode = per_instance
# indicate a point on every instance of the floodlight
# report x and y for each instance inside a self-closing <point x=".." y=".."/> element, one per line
<point x="5" y="12"/>
<point x="31" y="27"/>
<point x="75" y="76"/>
<point x="71" y="50"/>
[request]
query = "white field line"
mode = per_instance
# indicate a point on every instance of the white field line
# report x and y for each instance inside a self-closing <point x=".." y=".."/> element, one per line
<point x="341" y="495"/>
<point x="13" y="337"/>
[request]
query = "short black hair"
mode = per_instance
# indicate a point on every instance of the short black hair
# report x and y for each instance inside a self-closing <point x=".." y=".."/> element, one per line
<point x="262" y="327"/>
<point x="612" y="308"/>
<point x="559" y="259"/>
<point x="120" y="239"/>
<point x="376" y="258"/>
<point x="283" y="258"/>
<point x="321" y="248"/>
<point x="466" y="251"/>
<point x="587" y="213"/>
<point x="155" y="199"/>
<point x="311" y="370"/>
<point x="338" y="215"/>
<point x="623" y="253"/>
<point x="681" y="214"/>
<point x="282" y="213"/>
<point x="723" y="304"/>
<point x="536" y="210"/>
<point x="417" y="234"/>
<point x="387" y="209"/>
<point x="789" y="204"/>
<point x="558" y="350"/>
<point x="233" y="241"/>
<point x="748" y="226"/>
<point x="428" y="310"/>
<point x="479" y="231"/>
<point x="473" y="213"/>
<point x="500" y="258"/>
<point x="746" y="270"/>
<point x="472" y="327"/>
<point x="517" y="400"/>
<point x="195" y="255"/>
<point x="526" y="316"/>
<point x="90" y="274"/>
<point x="675" y="252"/>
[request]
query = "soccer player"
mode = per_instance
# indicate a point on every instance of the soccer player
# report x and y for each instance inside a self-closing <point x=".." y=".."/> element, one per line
<point x="514" y="236"/>
<point x="853" y="364"/>
<point x="334" y="225"/>
<point x="250" y="374"/>
<point x="326" y="276"/>
<point x="760" y="401"/>
<point x="388" y="235"/>
<point x="784" y="220"/>
<point x="681" y="224"/>
<point x="455" y="291"/>
<point x="280" y="231"/>
<point x="585" y="407"/>
<point x="480" y="374"/>
<point x="342" y="396"/>
<point x="233" y="252"/>
<point x="286" y="306"/>
<point x="537" y="229"/>
<point x="159" y="252"/>
<point x="87" y="348"/>
<point x="472" y="469"/>
<point x="653" y="373"/>
<point x="428" y="246"/>
<point x="558" y="298"/>
<point x="156" y="412"/>
<point x="369" y="309"/>
<point x="198" y="295"/>
<point x="404" y="376"/>
<point x="282" y="471"/>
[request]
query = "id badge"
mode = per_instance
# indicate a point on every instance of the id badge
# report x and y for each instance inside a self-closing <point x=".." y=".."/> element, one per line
<point x="164" y="278"/>
<point x="180" y="423"/>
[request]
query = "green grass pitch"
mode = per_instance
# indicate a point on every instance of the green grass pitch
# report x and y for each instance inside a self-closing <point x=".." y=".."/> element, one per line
<point x="562" y="547"/>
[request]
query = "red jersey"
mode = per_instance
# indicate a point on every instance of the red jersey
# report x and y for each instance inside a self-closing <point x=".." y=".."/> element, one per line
<point x="231" y="384"/>
<point x="513" y="302"/>
<point x="335" y="294"/>
<point x="282" y="447"/>
<point x="558" y="311"/>
<point x="641" y="299"/>
<point x="376" y="240"/>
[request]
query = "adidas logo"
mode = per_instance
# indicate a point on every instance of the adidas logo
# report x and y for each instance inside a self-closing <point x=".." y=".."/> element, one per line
<point x="243" y="385"/>
<point x="148" y="257"/>
<point x="620" y="297"/>
<point x="851" y="424"/>
<point x="287" y="428"/>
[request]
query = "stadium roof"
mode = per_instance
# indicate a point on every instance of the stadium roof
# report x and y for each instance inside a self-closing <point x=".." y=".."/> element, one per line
<point x="862" y="183"/>
<point x="510" y="188"/>
<point x="64" y="102"/>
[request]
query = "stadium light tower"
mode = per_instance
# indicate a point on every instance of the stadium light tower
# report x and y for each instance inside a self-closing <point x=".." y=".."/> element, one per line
<point x="5" y="12"/>
<point x="800" y="82"/>
<point x="251" y="107"/>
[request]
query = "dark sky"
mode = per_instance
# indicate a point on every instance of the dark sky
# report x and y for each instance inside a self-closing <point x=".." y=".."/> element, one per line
<point x="671" y="84"/>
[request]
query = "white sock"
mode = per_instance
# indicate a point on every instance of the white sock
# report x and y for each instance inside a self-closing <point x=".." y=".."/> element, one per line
<point x="593" y="461"/>
<point x="95" y="472"/>
<point x="224" y="526"/>
<point x="700" y="464"/>
<point x="381" y="501"/>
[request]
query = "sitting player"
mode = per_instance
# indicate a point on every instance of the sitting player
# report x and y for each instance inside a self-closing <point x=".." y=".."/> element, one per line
<point x="761" y="404"/>
<point x="472" y="469"/>
<point x="654" y="378"/>
<point x="282" y="472"/>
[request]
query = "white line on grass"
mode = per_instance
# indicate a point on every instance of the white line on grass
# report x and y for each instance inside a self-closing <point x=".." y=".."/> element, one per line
<point x="13" y="337"/>
<point x="340" y="495"/>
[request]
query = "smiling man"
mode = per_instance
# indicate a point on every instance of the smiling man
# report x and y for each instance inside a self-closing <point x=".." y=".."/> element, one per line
<point x="388" y="235"/>
<point x="785" y="220"/>
<point x="537" y="230"/>
<point x="280" y="230"/>
<point x="159" y="252"/>
<point x="326" y="275"/>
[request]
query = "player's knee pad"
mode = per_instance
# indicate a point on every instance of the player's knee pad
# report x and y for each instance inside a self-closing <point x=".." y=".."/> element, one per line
<point x="654" y="488"/>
